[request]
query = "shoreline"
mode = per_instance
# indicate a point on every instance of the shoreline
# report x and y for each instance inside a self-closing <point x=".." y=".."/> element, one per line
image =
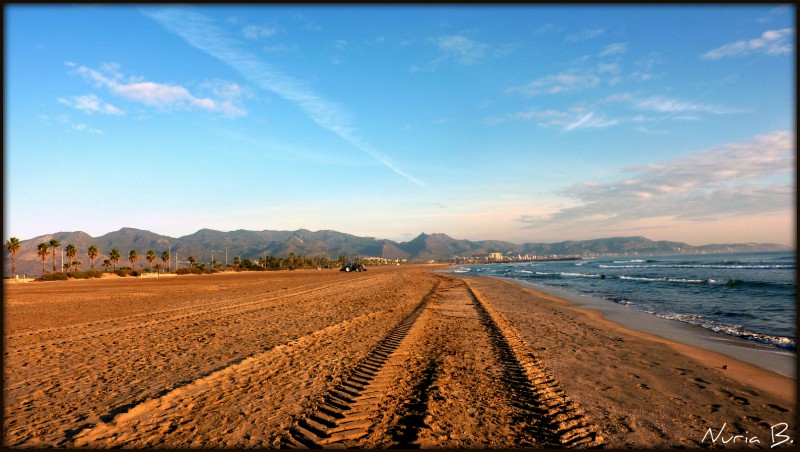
<point x="750" y="366"/>
<point x="766" y="357"/>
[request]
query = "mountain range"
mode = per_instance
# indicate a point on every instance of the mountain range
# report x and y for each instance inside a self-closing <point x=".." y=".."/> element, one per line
<point x="254" y="244"/>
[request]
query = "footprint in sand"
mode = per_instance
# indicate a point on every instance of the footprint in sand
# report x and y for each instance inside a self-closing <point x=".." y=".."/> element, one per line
<point x="777" y="408"/>
<point x="643" y="386"/>
<point x="681" y="371"/>
<point x="713" y="408"/>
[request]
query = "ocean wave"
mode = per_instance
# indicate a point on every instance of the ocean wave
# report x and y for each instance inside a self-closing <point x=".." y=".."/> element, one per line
<point x="733" y="330"/>
<point x="716" y="266"/>
<point x="743" y="284"/>
<point x="665" y="279"/>
<point x="579" y="275"/>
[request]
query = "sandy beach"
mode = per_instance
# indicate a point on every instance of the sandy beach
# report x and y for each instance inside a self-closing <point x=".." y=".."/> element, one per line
<point x="393" y="357"/>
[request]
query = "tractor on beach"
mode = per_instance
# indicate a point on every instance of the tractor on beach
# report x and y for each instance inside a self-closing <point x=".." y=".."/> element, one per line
<point x="352" y="267"/>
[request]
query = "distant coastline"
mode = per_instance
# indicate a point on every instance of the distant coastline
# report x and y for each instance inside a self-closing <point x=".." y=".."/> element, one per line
<point x="206" y="244"/>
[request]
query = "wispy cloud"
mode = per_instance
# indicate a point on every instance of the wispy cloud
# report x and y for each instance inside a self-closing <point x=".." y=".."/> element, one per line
<point x="72" y="125"/>
<point x="91" y="104"/>
<point x="564" y="82"/>
<point x="587" y="71"/>
<point x="733" y="180"/>
<point x="153" y="94"/>
<point x="585" y="35"/>
<point x="579" y="122"/>
<point x="616" y="48"/>
<point x="257" y="32"/>
<point x="590" y="120"/>
<point x="665" y="105"/>
<point x="205" y="35"/>
<point x="461" y="49"/>
<point x="776" y="12"/>
<point x="567" y="121"/>
<point x="771" y="42"/>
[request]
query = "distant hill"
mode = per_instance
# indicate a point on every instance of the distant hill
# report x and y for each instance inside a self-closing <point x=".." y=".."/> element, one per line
<point x="332" y="244"/>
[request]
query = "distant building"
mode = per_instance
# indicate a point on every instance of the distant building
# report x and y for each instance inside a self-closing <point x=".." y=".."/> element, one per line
<point x="496" y="256"/>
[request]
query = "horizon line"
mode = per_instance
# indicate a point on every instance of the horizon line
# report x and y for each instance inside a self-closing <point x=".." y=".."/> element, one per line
<point x="415" y="237"/>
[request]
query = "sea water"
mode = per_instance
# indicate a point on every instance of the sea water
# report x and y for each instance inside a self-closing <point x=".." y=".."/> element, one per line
<point x="748" y="295"/>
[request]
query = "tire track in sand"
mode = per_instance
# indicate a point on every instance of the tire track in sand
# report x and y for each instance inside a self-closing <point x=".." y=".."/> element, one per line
<point x="213" y="402"/>
<point x="564" y="422"/>
<point x="220" y="306"/>
<point x="350" y="415"/>
<point x="347" y="411"/>
<point x="93" y="382"/>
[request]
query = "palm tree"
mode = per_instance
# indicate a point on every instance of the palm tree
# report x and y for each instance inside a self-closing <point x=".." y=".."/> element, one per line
<point x="106" y="264"/>
<point x="114" y="256"/>
<point x="71" y="251"/>
<point x="93" y="252"/>
<point x="150" y="256"/>
<point x="76" y="264"/>
<point x="133" y="256"/>
<point x="165" y="257"/>
<point x="43" y="249"/>
<point x="54" y="244"/>
<point x="13" y="245"/>
<point x="66" y="265"/>
<point x="191" y="260"/>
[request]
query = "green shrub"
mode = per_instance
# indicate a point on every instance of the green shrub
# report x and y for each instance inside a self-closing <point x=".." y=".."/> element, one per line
<point x="123" y="272"/>
<point x="53" y="277"/>
<point x="86" y="274"/>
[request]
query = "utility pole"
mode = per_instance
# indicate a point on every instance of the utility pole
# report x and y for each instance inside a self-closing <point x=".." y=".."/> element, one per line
<point x="226" y="257"/>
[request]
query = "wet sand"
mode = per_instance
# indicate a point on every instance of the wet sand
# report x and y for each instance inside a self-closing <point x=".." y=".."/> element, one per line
<point x="395" y="356"/>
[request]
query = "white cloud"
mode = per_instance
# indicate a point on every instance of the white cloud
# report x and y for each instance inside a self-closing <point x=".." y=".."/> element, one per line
<point x="777" y="12"/>
<point x="664" y="105"/>
<point x="74" y="126"/>
<point x="737" y="179"/>
<point x="155" y="94"/>
<point x="585" y="35"/>
<point x="558" y="83"/>
<point x="257" y="32"/>
<point x="589" y="120"/>
<point x="616" y="48"/>
<point x="579" y="122"/>
<point x="461" y="49"/>
<point x="91" y="104"/>
<point x="771" y="42"/>
<point x="608" y="68"/>
<point x="565" y="120"/>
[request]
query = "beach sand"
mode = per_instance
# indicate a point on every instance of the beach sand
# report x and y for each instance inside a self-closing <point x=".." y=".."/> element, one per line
<point x="395" y="356"/>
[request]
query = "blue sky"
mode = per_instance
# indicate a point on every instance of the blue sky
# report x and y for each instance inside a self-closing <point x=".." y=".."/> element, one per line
<point x="519" y="123"/>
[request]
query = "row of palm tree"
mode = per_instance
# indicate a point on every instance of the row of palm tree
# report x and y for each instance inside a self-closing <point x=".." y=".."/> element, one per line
<point x="293" y="261"/>
<point x="13" y="246"/>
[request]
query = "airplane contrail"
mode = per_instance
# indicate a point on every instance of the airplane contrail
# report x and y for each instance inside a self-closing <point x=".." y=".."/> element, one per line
<point x="202" y="33"/>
